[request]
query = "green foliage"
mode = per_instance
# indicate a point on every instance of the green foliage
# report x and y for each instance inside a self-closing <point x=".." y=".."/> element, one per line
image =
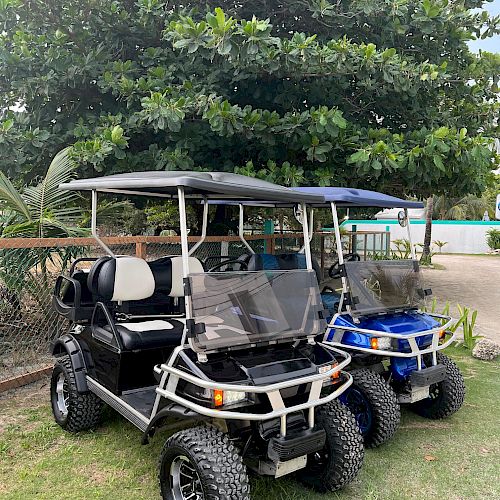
<point x="42" y="210"/>
<point x="403" y="249"/>
<point x="321" y="92"/>
<point x="493" y="238"/>
<point x="468" y="325"/>
<point x="165" y="216"/>
<point x="440" y="244"/>
<point x="468" y="207"/>
<point x="37" y="211"/>
<point x="467" y="320"/>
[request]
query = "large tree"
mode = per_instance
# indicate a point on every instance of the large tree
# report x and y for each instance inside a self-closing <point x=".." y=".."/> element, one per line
<point x="369" y="93"/>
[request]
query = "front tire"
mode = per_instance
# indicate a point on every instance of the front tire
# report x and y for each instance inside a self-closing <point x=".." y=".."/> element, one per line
<point x="446" y="397"/>
<point x="202" y="463"/>
<point x="340" y="461"/>
<point x="73" y="411"/>
<point x="375" y="406"/>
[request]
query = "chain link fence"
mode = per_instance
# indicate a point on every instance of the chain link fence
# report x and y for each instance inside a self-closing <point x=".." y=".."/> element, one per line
<point x="29" y="268"/>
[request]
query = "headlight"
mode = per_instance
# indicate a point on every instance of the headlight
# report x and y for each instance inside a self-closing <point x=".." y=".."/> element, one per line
<point x="221" y="398"/>
<point x="325" y="368"/>
<point x="381" y="343"/>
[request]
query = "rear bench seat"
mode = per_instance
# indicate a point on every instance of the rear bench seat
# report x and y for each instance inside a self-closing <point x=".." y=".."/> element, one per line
<point x="123" y="280"/>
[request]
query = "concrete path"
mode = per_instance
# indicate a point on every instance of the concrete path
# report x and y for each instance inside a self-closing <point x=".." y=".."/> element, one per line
<point x="471" y="281"/>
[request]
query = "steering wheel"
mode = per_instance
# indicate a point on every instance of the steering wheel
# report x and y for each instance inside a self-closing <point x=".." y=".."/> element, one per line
<point x="334" y="271"/>
<point x="243" y="265"/>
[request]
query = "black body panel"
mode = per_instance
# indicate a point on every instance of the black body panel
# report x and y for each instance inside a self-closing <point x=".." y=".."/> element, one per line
<point x="123" y="371"/>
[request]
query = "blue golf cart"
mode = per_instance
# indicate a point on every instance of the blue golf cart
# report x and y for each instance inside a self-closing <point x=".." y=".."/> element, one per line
<point x="375" y="314"/>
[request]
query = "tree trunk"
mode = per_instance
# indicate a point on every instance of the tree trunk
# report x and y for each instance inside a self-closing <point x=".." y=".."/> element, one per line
<point x="426" y="251"/>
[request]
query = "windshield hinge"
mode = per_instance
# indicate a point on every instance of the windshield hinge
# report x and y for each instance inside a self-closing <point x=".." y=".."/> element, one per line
<point x="120" y="316"/>
<point x="202" y="357"/>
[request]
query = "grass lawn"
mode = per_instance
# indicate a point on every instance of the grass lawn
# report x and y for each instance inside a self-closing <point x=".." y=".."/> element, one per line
<point x="458" y="458"/>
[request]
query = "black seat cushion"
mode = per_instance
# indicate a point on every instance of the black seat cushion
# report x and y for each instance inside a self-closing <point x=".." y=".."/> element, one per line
<point x="149" y="334"/>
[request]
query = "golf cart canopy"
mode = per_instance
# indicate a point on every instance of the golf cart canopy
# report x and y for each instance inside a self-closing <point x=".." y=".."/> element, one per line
<point x="196" y="185"/>
<point x="350" y="197"/>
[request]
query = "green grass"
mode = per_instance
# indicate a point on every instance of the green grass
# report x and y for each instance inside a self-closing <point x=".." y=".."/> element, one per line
<point x="458" y="458"/>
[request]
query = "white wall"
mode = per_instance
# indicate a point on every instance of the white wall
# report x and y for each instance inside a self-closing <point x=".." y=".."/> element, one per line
<point x="462" y="236"/>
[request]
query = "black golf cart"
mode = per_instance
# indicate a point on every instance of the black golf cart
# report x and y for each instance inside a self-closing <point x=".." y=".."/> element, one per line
<point x="230" y="357"/>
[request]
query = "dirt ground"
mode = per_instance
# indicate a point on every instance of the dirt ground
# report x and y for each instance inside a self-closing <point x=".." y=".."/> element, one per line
<point x="472" y="281"/>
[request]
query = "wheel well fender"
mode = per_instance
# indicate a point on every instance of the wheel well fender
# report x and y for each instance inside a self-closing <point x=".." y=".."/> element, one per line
<point x="67" y="344"/>
<point x="171" y="415"/>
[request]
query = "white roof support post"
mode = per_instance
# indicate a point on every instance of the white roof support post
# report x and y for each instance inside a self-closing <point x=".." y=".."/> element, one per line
<point x="307" y="241"/>
<point x="203" y="228"/>
<point x="340" y="254"/>
<point x="93" y="226"/>
<point x="240" y="230"/>
<point x="311" y="229"/>
<point x="185" y="254"/>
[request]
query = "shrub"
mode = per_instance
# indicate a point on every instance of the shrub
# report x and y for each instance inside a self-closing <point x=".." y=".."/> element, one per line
<point x="493" y="239"/>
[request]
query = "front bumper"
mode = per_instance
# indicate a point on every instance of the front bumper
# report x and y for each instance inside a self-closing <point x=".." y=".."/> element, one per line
<point x="282" y="449"/>
<point x="170" y="377"/>
<point x="428" y="376"/>
<point x="414" y="352"/>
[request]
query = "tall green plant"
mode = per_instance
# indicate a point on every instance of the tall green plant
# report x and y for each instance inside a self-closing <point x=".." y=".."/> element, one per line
<point x="39" y="211"/>
<point x="468" y="325"/>
<point x="493" y="239"/>
<point x="42" y="210"/>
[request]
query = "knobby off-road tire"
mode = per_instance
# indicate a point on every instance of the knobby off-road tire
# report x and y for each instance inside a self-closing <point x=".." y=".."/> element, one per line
<point x="78" y="412"/>
<point x="340" y="461"/>
<point x="375" y="406"/>
<point x="220" y="472"/>
<point x="446" y="397"/>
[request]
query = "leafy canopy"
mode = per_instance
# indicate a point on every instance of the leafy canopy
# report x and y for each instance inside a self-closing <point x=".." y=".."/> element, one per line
<point x="369" y="93"/>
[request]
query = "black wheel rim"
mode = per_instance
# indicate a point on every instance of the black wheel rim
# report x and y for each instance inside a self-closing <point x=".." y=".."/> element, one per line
<point x="360" y="407"/>
<point x="185" y="483"/>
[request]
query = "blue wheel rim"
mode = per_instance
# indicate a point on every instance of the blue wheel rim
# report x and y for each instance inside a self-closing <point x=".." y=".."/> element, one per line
<point x="360" y="407"/>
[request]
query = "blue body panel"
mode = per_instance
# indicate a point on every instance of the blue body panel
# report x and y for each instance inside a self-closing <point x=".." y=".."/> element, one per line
<point x="401" y="323"/>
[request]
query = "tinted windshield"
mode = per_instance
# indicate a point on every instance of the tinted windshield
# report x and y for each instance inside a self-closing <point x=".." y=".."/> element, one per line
<point x="248" y="307"/>
<point x="382" y="285"/>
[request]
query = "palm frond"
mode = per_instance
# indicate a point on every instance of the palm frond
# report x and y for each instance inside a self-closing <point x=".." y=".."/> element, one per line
<point x="109" y="212"/>
<point x="46" y="196"/>
<point x="11" y="198"/>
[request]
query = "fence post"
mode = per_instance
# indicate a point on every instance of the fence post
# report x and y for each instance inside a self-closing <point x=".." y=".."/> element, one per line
<point x="354" y="238"/>
<point x="141" y="250"/>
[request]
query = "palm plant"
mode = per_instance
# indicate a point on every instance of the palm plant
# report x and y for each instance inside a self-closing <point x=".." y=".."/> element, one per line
<point x="469" y="207"/>
<point x="43" y="210"/>
<point x="38" y="211"/>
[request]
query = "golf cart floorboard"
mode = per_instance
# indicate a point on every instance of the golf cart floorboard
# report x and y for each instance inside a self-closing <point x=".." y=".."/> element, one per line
<point x="140" y="399"/>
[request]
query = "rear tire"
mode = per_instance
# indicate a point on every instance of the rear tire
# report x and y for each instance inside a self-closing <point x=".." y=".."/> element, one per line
<point x="375" y="406"/>
<point x="73" y="411"/>
<point x="202" y="463"/>
<point x="340" y="461"/>
<point x="446" y="397"/>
